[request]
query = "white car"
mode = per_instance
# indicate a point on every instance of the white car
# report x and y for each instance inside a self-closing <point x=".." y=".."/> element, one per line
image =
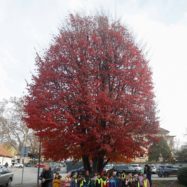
<point x="137" y="167"/>
<point x="6" y="176"/>
<point x="18" y="165"/>
<point x="153" y="169"/>
<point x="108" y="167"/>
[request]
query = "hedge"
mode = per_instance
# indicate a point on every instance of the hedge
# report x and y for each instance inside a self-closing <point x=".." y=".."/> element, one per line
<point x="182" y="175"/>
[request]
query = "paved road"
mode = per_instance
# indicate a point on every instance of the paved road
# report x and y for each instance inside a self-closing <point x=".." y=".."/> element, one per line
<point x="30" y="176"/>
<point x="24" y="185"/>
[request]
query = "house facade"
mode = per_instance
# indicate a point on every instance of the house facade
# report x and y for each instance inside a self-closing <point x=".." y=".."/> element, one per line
<point x="162" y="133"/>
<point x="5" y="156"/>
<point x="169" y="138"/>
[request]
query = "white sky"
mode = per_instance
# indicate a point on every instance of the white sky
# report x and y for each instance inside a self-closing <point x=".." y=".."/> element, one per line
<point x="28" y="26"/>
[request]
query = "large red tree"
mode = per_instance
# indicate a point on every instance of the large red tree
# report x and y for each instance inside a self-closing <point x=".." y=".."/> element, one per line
<point x="92" y="97"/>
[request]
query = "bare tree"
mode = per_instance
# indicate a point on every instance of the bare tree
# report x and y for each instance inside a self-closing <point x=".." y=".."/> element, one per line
<point x="13" y="130"/>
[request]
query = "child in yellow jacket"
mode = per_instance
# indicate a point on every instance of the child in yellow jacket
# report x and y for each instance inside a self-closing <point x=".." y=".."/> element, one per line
<point x="57" y="180"/>
<point x="146" y="182"/>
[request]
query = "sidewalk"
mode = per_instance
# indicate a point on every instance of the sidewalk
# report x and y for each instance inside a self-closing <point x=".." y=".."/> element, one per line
<point x="24" y="185"/>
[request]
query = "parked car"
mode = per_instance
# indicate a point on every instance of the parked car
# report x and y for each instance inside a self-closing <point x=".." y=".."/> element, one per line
<point x="78" y="171"/>
<point x="137" y="167"/>
<point x="63" y="169"/>
<point x="124" y="168"/>
<point x="58" y="167"/>
<point x="108" y="167"/>
<point x="167" y="170"/>
<point x="153" y="169"/>
<point x="28" y="165"/>
<point x="55" y="169"/>
<point x="6" y="176"/>
<point x="18" y="165"/>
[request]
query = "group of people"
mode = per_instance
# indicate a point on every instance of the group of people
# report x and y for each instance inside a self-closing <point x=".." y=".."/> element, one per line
<point x="106" y="179"/>
<point x="112" y="179"/>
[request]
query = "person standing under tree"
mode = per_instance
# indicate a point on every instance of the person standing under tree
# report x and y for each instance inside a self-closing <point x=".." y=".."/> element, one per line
<point x="147" y="171"/>
<point x="46" y="177"/>
<point x="146" y="182"/>
<point x="6" y="164"/>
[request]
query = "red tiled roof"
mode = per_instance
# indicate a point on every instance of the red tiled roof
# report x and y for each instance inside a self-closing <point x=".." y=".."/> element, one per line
<point x="4" y="152"/>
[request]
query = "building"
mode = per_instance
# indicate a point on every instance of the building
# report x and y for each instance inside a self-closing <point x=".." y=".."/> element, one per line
<point x="169" y="138"/>
<point x="5" y="156"/>
<point x="161" y="133"/>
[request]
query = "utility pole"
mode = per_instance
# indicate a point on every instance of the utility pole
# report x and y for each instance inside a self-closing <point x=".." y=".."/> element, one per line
<point x="22" y="170"/>
<point x="39" y="161"/>
<point x="24" y="153"/>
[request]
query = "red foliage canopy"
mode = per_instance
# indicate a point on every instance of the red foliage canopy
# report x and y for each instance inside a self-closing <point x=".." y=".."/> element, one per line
<point x="93" y="93"/>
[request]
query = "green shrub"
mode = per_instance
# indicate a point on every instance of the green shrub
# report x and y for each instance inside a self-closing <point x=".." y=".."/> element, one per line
<point x="182" y="176"/>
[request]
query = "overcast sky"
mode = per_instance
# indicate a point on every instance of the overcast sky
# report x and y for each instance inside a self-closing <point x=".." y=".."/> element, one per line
<point x="28" y="26"/>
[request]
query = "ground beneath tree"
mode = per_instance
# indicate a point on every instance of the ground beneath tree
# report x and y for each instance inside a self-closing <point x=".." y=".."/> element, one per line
<point x="166" y="184"/>
<point x="155" y="184"/>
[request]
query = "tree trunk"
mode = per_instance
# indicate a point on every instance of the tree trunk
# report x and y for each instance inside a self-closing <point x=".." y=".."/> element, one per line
<point x="100" y="164"/>
<point x="97" y="164"/>
<point x="86" y="163"/>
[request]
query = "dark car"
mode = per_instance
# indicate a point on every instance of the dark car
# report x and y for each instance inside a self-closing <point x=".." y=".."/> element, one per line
<point x="167" y="170"/>
<point x="124" y="168"/>
<point x="78" y="171"/>
<point x="28" y="165"/>
<point x="6" y="176"/>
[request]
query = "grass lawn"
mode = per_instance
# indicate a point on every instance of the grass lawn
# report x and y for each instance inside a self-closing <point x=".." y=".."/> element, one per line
<point x="166" y="184"/>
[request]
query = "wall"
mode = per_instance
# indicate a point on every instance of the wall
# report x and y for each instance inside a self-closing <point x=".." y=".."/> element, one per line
<point x="3" y="160"/>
